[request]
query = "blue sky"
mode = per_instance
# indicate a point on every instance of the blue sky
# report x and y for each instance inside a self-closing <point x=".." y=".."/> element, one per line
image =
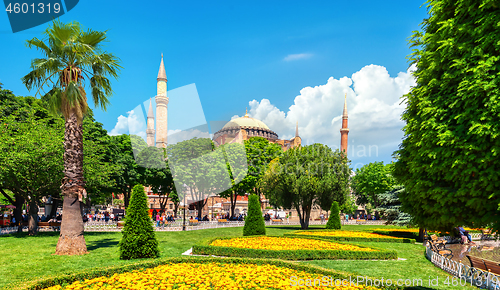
<point x="286" y="61"/>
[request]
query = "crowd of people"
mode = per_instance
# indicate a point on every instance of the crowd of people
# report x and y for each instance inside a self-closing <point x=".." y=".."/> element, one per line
<point x="102" y="216"/>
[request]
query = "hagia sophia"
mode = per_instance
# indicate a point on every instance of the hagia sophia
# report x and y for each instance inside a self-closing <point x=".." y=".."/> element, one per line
<point x="236" y="130"/>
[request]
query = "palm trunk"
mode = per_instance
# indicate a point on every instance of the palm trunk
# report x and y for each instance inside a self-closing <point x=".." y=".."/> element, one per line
<point x="71" y="240"/>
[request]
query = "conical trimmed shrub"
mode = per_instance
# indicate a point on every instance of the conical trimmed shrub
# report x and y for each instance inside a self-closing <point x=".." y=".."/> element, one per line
<point x="334" y="218"/>
<point x="254" y="221"/>
<point x="138" y="234"/>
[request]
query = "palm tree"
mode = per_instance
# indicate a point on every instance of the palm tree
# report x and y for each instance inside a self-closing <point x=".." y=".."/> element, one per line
<point x="72" y="56"/>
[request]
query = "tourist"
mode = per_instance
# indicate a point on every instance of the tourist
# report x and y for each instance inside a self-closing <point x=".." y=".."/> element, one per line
<point x="157" y="219"/>
<point x="322" y="218"/>
<point x="465" y="233"/>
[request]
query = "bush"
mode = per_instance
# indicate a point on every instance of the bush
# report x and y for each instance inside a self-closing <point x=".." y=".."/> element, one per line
<point x="334" y="218"/>
<point x="139" y="239"/>
<point x="254" y="221"/>
<point x="204" y="248"/>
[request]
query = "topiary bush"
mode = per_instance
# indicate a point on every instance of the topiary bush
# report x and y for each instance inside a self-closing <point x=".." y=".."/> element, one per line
<point x="334" y="218"/>
<point x="254" y="221"/>
<point x="138" y="235"/>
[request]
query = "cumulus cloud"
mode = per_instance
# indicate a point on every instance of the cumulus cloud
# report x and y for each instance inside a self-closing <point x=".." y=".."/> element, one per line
<point x="134" y="124"/>
<point x="297" y="56"/>
<point x="373" y="104"/>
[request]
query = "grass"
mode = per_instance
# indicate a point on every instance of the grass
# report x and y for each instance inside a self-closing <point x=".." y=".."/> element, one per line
<point x="25" y="258"/>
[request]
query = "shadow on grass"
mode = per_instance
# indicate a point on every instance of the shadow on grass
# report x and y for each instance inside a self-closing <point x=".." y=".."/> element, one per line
<point x="50" y="234"/>
<point x="104" y="243"/>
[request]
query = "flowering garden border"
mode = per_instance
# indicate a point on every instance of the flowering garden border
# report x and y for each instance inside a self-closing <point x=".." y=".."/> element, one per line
<point x="351" y="239"/>
<point x="65" y="279"/>
<point x="204" y="248"/>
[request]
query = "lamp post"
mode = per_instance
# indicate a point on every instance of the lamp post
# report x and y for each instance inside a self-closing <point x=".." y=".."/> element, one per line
<point x="184" y="213"/>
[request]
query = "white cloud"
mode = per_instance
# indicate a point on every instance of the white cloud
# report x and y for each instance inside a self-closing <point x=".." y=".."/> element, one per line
<point x="373" y="104"/>
<point x="134" y="124"/>
<point x="297" y="56"/>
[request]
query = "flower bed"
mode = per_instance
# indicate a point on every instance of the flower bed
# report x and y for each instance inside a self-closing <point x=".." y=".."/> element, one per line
<point x="202" y="276"/>
<point x="350" y="236"/>
<point x="205" y="273"/>
<point x="288" y="248"/>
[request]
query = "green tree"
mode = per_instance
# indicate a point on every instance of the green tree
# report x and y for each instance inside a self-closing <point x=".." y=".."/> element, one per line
<point x="448" y="160"/>
<point x="334" y="218"/>
<point x="260" y="153"/>
<point x="349" y="206"/>
<point x="138" y="234"/>
<point x="390" y="207"/>
<point x="127" y="173"/>
<point x="371" y="180"/>
<point x="71" y="56"/>
<point x="254" y="221"/>
<point x="303" y="176"/>
<point x="199" y="171"/>
<point x="236" y="161"/>
<point x="30" y="161"/>
<point x="156" y="173"/>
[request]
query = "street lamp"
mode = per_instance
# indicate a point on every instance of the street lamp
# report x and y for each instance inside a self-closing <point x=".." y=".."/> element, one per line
<point x="184" y="213"/>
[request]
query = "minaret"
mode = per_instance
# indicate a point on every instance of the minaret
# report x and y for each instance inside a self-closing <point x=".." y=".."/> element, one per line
<point x="344" y="130"/>
<point x="161" y="106"/>
<point x="297" y="129"/>
<point x="150" y="131"/>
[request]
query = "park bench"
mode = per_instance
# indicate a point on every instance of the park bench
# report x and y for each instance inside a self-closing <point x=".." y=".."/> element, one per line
<point x="486" y="234"/>
<point x="485" y="265"/>
<point x="439" y="246"/>
<point x="193" y="222"/>
<point x="222" y="220"/>
<point x="361" y="221"/>
<point x="56" y="226"/>
<point x="277" y="221"/>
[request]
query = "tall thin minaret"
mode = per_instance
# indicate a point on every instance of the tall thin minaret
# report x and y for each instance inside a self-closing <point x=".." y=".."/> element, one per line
<point x="297" y="129"/>
<point x="344" y="130"/>
<point x="161" y="106"/>
<point x="150" y="131"/>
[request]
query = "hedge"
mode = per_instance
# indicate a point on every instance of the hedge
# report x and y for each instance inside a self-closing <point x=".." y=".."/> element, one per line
<point x="109" y="271"/>
<point x="204" y="248"/>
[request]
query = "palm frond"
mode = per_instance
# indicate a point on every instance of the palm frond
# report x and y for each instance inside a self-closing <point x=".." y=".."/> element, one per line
<point x="39" y="45"/>
<point x="101" y="89"/>
<point x="92" y="38"/>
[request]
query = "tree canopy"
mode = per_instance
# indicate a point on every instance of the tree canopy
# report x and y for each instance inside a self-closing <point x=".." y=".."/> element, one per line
<point x="371" y="180"/>
<point x="448" y="160"/>
<point x="305" y="176"/>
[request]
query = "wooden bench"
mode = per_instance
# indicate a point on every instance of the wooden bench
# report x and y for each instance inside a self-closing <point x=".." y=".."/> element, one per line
<point x="361" y="221"/>
<point x="485" y="265"/>
<point x="56" y="226"/>
<point x="486" y="234"/>
<point x="439" y="246"/>
<point x="222" y="220"/>
<point x="439" y="242"/>
<point x="193" y="222"/>
<point x="492" y="266"/>
<point x="277" y="221"/>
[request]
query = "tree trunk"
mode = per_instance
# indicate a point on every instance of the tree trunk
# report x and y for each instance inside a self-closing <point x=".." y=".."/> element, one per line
<point x="71" y="240"/>
<point x="18" y="212"/>
<point x="33" y="218"/>
<point x="126" y="196"/>
<point x="233" y="202"/>
<point x="176" y="208"/>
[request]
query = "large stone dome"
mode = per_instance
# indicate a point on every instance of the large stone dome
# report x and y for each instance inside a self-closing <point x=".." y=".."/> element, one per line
<point x="245" y="121"/>
<point x="243" y="128"/>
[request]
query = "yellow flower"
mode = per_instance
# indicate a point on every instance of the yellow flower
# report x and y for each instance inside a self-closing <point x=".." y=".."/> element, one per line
<point x="284" y="243"/>
<point x="206" y="276"/>
<point x="344" y="234"/>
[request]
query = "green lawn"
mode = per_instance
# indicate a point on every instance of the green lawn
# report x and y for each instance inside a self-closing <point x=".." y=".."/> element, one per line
<point x="25" y="258"/>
